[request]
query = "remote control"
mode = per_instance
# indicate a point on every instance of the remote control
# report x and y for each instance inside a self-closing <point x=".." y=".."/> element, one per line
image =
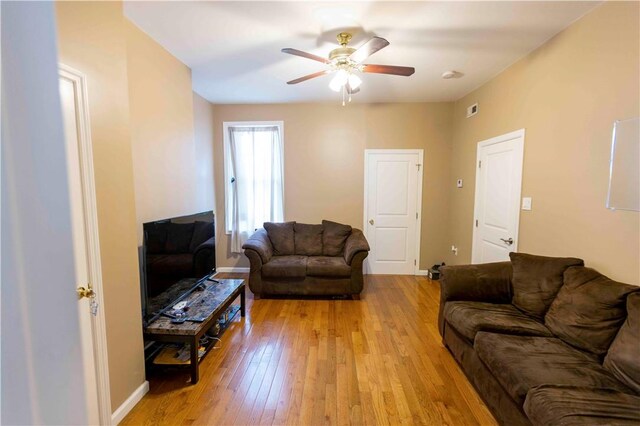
<point x="179" y="306"/>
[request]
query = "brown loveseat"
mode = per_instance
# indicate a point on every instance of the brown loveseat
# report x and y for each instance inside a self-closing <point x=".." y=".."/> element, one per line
<point x="545" y="341"/>
<point x="299" y="259"/>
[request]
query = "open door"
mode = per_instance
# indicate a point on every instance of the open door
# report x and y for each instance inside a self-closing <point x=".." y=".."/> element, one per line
<point x="84" y="223"/>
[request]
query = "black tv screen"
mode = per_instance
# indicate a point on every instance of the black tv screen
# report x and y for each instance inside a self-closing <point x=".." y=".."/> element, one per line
<point x="178" y="253"/>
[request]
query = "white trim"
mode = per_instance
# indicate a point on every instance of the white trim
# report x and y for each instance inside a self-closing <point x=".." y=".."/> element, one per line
<point x="226" y="155"/>
<point x="236" y="269"/>
<point x="517" y="134"/>
<point x="422" y="272"/>
<point x="129" y="403"/>
<point x="420" y="153"/>
<point x="98" y="325"/>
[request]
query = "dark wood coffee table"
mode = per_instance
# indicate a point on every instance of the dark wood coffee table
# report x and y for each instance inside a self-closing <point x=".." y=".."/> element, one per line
<point x="209" y="303"/>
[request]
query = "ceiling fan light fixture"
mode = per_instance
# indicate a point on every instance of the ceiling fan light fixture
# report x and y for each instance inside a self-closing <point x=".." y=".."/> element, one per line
<point x="354" y="81"/>
<point x="337" y="82"/>
<point x="346" y="62"/>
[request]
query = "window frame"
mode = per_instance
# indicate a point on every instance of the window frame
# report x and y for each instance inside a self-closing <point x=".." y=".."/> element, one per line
<point x="227" y="166"/>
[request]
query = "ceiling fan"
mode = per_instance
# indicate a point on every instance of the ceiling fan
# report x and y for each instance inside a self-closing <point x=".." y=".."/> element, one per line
<point x="346" y="61"/>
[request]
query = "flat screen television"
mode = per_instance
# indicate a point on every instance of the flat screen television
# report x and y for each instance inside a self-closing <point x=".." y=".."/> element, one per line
<point x="178" y="254"/>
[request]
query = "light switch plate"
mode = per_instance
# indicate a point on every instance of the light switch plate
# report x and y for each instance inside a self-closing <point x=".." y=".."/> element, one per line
<point x="526" y="203"/>
<point x="459" y="183"/>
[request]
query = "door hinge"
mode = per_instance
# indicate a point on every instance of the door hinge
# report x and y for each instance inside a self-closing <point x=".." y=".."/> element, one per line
<point x="418" y="165"/>
<point x="476" y="223"/>
<point x="416" y="215"/>
<point x="480" y="164"/>
<point x="414" y="262"/>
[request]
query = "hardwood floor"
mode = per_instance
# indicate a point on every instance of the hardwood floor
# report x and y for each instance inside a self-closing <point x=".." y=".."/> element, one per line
<point x="378" y="360"/>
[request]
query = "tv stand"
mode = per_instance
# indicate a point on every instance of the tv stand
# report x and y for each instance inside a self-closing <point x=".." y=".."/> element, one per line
<point x="210" y="304"/>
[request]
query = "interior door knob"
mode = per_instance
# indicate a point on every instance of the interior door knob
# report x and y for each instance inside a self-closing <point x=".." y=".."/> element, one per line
<point x="371" y="221"/>
<point x="509" y="241"/>
<point x="85" y="292"/>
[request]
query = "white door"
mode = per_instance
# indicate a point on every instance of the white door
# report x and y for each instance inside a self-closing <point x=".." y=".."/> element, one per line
<point x="85" y="244"/>
<point x="497" y="203"/>
<point x="393" y="186"/>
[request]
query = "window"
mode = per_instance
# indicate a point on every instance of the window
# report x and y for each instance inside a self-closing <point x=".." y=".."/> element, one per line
<point x="254" y="182"/>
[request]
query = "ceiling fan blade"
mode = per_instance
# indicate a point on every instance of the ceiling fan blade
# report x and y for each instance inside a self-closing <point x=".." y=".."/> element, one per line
<point x="389" y="69"/>
<point x="309" y="77"/>
<point x="368" y="49"/>
<point x="311" y="56"/>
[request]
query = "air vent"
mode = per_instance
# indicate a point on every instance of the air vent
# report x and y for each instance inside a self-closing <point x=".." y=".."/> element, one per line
<point x="472" y="110"/>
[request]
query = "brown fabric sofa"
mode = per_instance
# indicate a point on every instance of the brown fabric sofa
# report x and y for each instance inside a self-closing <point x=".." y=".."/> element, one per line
<point x="300" y="259"/>
<point x="545" y="341"/>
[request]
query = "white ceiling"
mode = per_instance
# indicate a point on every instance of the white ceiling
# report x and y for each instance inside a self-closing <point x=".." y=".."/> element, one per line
<point x="233" y="47"/>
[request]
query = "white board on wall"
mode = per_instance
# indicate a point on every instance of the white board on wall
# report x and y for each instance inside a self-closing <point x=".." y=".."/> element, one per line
<point x="624" y="167"/>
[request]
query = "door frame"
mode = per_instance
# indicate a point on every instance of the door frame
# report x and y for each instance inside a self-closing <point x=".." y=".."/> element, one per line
<point x="483" y="144"/>
<point x="420" y="152"/>
<point x="98" y="324"/>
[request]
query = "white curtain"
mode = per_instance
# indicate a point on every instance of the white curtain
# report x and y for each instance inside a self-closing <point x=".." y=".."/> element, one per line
<point x="256" y="180"/>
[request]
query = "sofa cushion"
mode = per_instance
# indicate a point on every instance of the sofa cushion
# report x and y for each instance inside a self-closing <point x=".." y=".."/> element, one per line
<point x="308" y="239"/>
<point x="202" y="231"/>
<point x="333" y="237"/>
<point x="623" y="358"/>
<point x="470" y="317"/>
<point x="521" y="363"/>
<point x="281" y="236"/>
<point x="536" y="281"/>
<point x="285" y="267"/>
<point x="588" y="310"/>
<point x="178" y="237"/>
<point x="156" y="238"/>
<point x="173" y="265"/>
<point x="328" y="266"/>
<point x="574" y="405"/>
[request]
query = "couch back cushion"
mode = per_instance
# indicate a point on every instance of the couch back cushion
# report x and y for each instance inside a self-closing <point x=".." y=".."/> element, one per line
<point x="282" y="237"/>
<point x="202" y="231"/>
<point x="588" y="310"/>
<point x="178" y="237"/>
<point x="623" y="357"/>
<point x="156" y="235"/>
<point x="536" y="281"/>
<point x="308" y="239"/>
<point x="333" y="237"/>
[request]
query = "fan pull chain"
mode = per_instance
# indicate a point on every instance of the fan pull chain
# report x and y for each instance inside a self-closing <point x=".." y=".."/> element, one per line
<point x="343" y="94"/>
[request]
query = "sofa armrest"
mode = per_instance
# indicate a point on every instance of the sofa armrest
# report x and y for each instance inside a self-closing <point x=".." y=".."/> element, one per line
<point x="261" y="244"/>
<point x="204" y="257"/>
<point x="356" y="242"/>
<point x="488" y="282"/>
<point x="209" y="244"/>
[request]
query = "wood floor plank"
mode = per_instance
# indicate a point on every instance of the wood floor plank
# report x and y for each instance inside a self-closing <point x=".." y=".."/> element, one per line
<point x="375" y="361"/>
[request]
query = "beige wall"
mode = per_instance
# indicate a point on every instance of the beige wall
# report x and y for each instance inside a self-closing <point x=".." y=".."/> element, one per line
<point x="168" y="162"/>
<point x="566" y="95"/>
<point x="324" y="162"/>
<point x="203" y="139"/>
<point x="91" y="39"/>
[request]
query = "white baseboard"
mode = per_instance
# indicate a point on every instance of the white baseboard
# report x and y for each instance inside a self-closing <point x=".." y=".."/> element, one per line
<point x="422" y="272"/>
<point x="128" y="405"/>
<point x="232" y="269"/>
